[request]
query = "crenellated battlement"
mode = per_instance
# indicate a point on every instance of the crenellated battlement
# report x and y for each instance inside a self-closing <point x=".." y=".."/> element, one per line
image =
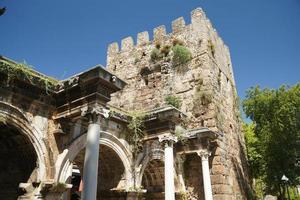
<point x="200" y="30"/>
<point x="199" y="22"/>
<point x="160" y="32"/>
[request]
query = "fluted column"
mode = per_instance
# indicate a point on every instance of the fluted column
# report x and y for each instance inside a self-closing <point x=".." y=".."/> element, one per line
<point x="204" y="154"/>
<point x="168" y="141"/>
<point x="90" y="170"/>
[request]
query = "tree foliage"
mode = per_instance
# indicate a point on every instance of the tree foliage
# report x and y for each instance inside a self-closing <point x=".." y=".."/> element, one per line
<point x="274" y="143"/>
<point x="253" y="150"/>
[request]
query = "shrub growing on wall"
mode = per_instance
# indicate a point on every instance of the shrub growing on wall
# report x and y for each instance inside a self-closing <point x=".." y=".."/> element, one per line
<point x="173" y="101"/>
<point x="136" y="128"/>
<point x="211" y="48"/>
<point x="181" y="55"/>
<point x="155" y="55"/>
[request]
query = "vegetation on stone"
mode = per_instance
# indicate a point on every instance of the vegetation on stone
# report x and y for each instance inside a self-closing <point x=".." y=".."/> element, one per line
<point x="173" y="101"/>
<point x="180" y="133"/>
<point x="135" y="125"/>
<point x="165" y="50"/>
<point x="273" y="140"/>
<point x="24" y="72"/>
<point x="211" y="48"/>
<point x="202" y="97"/>
<point x="155" y="55"/>
<point x="181" y="55"/>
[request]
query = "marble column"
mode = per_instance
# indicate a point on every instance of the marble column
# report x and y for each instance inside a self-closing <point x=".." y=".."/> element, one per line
<point x="168" y="141"/>
<point x="90" y="170"/>
<point x="204" y="154"/>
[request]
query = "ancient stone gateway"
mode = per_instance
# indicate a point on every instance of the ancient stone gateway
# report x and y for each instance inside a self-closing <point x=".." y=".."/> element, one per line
<point x="160" y="121"/>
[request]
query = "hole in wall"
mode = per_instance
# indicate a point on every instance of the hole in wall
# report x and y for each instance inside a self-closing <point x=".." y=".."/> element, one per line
<point x="200" y="42"/>
<point x="202" y="122"/>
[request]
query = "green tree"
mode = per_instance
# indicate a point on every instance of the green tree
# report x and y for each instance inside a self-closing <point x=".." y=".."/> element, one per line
<point x="254" y="159"/>
<point x="274" y="148"/>
<point x="253" y="150"/>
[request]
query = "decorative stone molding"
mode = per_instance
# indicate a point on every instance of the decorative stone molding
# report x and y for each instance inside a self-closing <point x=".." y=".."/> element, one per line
<point x="204" y="154"/>
<point x="64" y="163"/>
<point x="167" y="139"/>
<point x="95" y="113"/>
<point x="18" y="119"/>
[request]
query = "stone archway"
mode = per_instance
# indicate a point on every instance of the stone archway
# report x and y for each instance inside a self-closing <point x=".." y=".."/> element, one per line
<point x="23" y="155"/>
<point x="17" y="162"/>
<point x="111" y="172"/>
<point x="150" y="175"/>
<point x="17" y="120"/>
<point x="153" y="179"/>
<point x="111" y="148"/>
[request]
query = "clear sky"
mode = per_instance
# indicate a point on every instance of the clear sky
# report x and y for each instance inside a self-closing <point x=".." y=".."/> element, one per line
<point x="63" y="37"/>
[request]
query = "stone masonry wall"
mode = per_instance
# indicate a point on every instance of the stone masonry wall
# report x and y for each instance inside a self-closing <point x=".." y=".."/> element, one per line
<point x="205" y="85"/>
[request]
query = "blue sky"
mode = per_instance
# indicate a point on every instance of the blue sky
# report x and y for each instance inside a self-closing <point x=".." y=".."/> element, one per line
<point x="63" y="37"/>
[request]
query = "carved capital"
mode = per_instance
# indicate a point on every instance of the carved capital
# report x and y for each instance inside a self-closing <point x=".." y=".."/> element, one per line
<point x="167" y="139"/>
<point x="94" y="113"/>
<point x="204" y="154"/>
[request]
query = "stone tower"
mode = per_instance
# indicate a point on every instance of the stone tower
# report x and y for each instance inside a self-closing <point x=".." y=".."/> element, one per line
<point x="205" y="85"/>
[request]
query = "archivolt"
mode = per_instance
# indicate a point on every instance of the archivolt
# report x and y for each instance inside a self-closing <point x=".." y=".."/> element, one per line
<point x="64" y="162"/>
<point x="16" y="118"/>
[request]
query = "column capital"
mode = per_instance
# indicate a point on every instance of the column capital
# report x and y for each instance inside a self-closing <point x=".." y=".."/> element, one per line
<point x="167" y="139"/>
<point x="204" y="154"/>
<point x="94" y="113"/>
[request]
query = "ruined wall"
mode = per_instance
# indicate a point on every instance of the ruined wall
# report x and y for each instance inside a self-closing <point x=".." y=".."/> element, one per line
<point x="205" y="85"/>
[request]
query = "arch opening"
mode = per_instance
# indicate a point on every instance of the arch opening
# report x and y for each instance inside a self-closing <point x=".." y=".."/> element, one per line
<point x="193" y="175"/>
<point x="111" y="174"/>
<point x="153" y="179"/>
<point x="18" y="162"/>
